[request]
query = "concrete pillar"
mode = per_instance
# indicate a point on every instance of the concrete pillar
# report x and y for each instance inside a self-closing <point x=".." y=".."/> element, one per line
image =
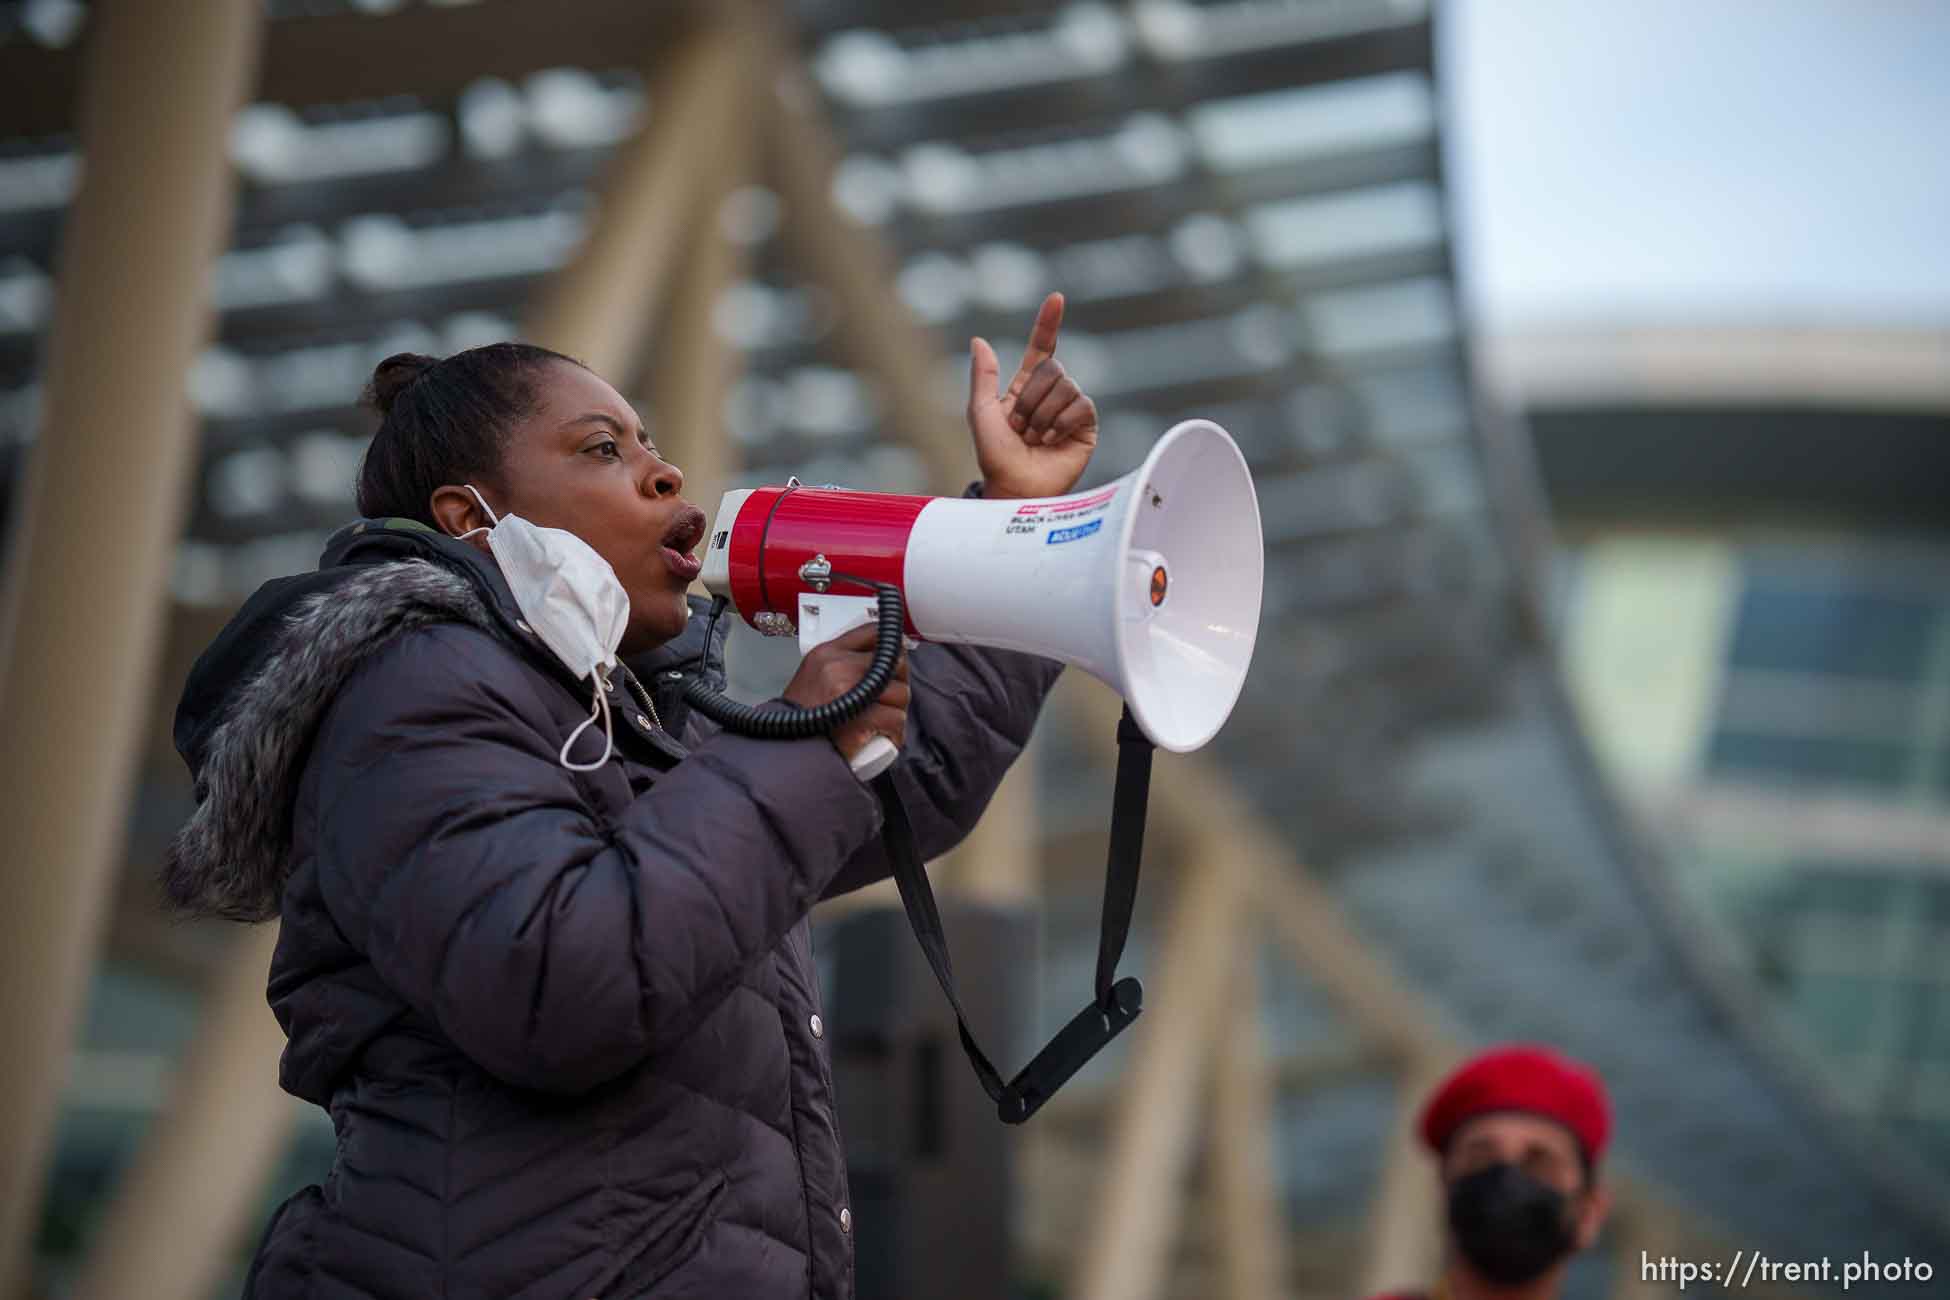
<point x="1309" y="922"/>
<point x="1405" y="1228"/>
<point x="100" y="511"/>
<point x="879" y="334"/>
<point x="1252" y="1224"/>
<point x="601" y="306"/>
<point x="689" y="365"/>
<point x="1125" y="1255"/>
<point x="193" y="1191"/>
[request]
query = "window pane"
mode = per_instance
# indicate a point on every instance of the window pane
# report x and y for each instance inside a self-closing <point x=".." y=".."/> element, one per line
<point x="1859" y="634"/>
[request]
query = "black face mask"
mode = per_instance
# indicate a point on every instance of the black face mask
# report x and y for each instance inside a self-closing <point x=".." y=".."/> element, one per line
<point x="1510" y="1227"/>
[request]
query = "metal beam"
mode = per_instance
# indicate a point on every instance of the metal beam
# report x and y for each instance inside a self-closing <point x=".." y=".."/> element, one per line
<point x="1404" y="1232"/>
<point x="86" y="604"/>
<point x="1125" y="1253"/>
<point x="878" y="333"/>
<point x="689" y="365"/>
<point x="180" y="1211"/>
<point x="1080" y="1110"/>
<point x="600" y="307"/>
<point x="1251" y="1225"/>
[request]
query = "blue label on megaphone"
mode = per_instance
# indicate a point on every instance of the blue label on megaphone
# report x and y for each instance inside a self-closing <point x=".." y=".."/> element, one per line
<point x="1072" y="534"/>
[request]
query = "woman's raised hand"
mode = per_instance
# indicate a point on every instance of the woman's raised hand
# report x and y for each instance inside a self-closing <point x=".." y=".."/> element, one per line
<point x="1034" y="438"/>
<point x="835" y="667"/>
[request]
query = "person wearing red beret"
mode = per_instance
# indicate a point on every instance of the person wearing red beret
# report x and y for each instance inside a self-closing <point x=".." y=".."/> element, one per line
<point x="1518" y="1133"/>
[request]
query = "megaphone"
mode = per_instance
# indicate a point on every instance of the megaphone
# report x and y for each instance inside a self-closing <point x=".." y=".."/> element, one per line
<point x="1150" y="583"/>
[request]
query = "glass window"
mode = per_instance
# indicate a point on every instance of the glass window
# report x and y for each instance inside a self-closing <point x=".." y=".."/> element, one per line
<point x="1857" y="633"/>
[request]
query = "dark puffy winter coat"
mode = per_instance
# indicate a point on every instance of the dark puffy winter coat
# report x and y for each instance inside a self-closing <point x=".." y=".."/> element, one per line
<point x="566" y="1024"/>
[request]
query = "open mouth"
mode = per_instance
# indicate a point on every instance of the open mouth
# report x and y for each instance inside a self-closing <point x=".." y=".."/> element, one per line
<point x="685" y="532"/>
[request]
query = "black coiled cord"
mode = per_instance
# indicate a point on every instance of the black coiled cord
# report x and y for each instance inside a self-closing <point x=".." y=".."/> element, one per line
<point x="792" y="723"/>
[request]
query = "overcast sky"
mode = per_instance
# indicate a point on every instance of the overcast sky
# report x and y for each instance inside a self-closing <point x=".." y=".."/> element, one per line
<point x="1746" y="161"/>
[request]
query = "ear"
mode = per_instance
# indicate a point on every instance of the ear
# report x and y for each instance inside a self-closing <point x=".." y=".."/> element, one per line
<point x="1592" y="1215"/>
<point x="455" y="511"/>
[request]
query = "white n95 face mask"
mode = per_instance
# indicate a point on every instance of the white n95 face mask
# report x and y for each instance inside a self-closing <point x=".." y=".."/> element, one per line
<point x="572" y="599"/>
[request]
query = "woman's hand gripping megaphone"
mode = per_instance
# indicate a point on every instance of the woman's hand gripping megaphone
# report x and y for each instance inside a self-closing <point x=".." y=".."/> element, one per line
<point x="835" y="667"/>
<point x="1034" y="438"/>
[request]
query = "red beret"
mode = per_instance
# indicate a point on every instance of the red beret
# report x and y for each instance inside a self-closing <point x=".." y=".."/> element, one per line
<point x="1535" y="1080"/>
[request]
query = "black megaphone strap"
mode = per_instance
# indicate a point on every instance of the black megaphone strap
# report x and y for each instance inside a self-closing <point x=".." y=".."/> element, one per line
<point x="1117" y="1002"/>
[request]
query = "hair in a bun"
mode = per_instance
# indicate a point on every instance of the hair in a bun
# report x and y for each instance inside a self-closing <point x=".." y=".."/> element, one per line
<point x="444" y="421"/>
<point x="394" y="376"/>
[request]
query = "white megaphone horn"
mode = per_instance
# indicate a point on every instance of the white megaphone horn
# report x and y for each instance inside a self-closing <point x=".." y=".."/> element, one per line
<point x="1150" y="583"/>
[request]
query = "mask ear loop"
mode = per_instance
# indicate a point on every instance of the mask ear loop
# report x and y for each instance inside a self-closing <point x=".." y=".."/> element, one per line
<point x="599" y="702"/>
<point x="598" y="708"/>
<point x="475" y="532"/>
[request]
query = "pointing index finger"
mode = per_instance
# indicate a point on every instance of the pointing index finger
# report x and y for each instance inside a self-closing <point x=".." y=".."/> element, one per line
<point x="1042" y="336"/>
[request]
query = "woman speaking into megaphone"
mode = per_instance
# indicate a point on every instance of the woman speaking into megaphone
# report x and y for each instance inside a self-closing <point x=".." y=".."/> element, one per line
<point x="544" y="955"/>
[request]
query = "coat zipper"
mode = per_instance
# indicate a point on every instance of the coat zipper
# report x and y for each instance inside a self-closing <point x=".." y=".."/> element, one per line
<point x="642" y="697"/>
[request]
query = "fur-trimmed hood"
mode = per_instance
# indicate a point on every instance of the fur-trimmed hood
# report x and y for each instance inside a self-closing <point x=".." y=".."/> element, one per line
<point x="255" y="698"/>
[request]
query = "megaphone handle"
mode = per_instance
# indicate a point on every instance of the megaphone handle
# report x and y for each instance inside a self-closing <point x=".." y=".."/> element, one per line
<point x="873" y="758"/>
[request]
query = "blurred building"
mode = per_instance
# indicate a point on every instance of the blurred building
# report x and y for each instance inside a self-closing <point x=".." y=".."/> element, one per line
<point x="1755" y="619"/>
<point x="1245" y="202"/>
